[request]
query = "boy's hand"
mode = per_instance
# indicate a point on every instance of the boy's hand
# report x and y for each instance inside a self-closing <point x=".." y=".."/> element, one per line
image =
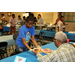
<point x="36" y="50"/>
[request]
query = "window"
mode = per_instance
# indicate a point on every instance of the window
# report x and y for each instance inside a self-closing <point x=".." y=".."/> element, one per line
<point x="69" y="16"/>
<point x="25" y="14"/>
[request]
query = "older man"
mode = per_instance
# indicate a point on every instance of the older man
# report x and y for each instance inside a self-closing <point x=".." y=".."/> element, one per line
<point x="64" y="53"/>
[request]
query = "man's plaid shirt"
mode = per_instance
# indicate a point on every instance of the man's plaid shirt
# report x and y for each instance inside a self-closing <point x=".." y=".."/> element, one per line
<point x="64" y="53"/>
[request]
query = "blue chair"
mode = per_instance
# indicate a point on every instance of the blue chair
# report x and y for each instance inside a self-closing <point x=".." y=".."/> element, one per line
<point x="0" y="33"/>
<point x="3" y="45"/>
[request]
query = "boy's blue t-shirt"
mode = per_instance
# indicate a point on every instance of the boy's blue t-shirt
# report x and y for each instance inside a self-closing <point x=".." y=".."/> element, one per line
<point x="26" y="33"/>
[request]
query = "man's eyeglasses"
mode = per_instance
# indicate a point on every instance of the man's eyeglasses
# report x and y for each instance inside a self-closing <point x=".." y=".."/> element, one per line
<point x="54" y="39"/>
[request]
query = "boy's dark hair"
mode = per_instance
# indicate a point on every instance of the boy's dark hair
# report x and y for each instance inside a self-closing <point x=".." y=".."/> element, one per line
<point x="31" y="14"/>
<point x="29" y="18"/>
<point x="24" y="17"/>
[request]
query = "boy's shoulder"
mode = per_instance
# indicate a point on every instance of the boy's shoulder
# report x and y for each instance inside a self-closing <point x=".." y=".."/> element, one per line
<point x="23" y="27"/>
<point x="32" y="27"/>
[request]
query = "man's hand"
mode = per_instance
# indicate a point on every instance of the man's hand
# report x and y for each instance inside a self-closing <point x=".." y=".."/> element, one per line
<point x="47" y="50"/>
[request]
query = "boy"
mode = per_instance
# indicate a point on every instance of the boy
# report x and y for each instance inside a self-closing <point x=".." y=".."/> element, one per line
<point x="26" y="32"/>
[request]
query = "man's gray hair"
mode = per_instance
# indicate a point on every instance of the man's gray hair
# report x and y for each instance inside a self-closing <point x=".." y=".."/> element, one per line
<point x="62" y="37"/>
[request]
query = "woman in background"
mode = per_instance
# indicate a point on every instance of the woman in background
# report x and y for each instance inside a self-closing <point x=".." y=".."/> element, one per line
<point x="62" y="19"/>
<point x="18" y="20"/>
<point x="23" y="21"/>
<point x="61" y="23"/>
<point x="59" y="17"/>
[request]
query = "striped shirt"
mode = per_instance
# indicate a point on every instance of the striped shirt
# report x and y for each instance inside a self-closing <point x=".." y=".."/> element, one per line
<point x="12" y="20"/>
<point x="64" y="53"/>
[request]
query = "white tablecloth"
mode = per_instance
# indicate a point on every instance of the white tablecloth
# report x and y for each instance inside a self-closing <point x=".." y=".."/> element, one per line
<point x="7" y="38"/>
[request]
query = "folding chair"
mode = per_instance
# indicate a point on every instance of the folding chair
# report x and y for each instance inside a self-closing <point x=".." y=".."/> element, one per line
<point x="3" y="49"/>
<point x="15" y="37"/>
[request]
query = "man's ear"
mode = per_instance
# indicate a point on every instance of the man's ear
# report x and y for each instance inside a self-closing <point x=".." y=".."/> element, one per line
<point x="58" y="42"/>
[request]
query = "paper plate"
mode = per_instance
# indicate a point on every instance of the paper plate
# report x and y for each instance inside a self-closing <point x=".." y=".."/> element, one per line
<point x="74" y="43"/>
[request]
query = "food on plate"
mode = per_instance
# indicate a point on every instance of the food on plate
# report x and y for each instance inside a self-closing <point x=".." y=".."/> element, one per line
<point x="37" y="50"/>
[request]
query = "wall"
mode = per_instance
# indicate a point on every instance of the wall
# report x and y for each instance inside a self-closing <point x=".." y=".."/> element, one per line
<point x="70" y="26"/>
<point x="8" y="18"/>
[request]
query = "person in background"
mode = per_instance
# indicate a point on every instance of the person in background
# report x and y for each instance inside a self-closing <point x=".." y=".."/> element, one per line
<point x="56" y="28"/>
<point x="13" y="23"/>
<point x="40" y="20"/>
<point x="23" y="21"/>
<point x="3" y="18"/>
<point x="65" y="52"/>
<point x="34" y="18"/>
<point x="60" y="24"/>
<point x="59" y="18"/>
<point x="26" y="32"/>
<point x="18" y="20"/>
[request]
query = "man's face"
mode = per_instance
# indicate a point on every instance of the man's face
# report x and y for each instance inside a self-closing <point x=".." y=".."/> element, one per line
<point x="29" y="24"/>
<point x="38" y="16"/>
